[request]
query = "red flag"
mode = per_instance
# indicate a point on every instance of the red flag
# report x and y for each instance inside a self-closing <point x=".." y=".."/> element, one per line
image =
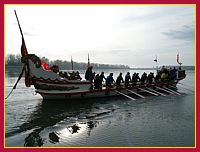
<point x="24" y="52"/>
<point x="45" y="65"/>
<point x="27" y="78"/>
<point x="23" y="48"/>
<point x="88" y="61"/>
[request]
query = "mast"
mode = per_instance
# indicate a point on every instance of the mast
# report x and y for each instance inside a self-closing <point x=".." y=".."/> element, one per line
<point x="72" y="63"/>
<point x="24" y="53"/>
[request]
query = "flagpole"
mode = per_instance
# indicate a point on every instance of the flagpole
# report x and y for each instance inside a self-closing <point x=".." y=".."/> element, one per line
<point x="89" y="67"/>
<point x="72" y="63"/>
<point x="19" y="24"/>
<point x="23" y="48"/>
<point x="24" y="52"/>
<point x="88" y="61"/>
<point x="156" y="60"/>
<point x="177" y="60"/>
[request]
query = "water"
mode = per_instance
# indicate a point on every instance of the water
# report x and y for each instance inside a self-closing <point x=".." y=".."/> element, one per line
<point x="118" y="121"/>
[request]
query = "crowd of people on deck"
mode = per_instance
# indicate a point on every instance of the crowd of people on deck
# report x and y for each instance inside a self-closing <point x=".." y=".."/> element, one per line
<point x="162" y="75"/>
<point x="70" y="75"/>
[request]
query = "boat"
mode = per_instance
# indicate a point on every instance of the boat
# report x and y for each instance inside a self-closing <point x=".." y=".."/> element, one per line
<point x="51" y="86"/>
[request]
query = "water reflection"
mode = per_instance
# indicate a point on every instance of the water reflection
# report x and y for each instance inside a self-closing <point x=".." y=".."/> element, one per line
<point x="53" y="137"/>
<point x="33" y="139"/>
<point x="48" y="114"/>
<point x="74" y="129"/>
<point x="91" y="125"/>
<point x="169" y="120"/>
<point x="78" y="115"/>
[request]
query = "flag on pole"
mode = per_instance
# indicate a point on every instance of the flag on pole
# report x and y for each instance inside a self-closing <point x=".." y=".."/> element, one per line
<point x="88" y="61"/>
<point x="155" y="59"/>
<point x="24" y="51"/>
<point x="72" y="63"/>
<point x="177" y="58"/>
<point x="45" y="65"/>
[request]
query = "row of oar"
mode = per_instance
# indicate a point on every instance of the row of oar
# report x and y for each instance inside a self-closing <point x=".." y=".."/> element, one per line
<point x="183" y="86"/>
<point x="150" y="91"/>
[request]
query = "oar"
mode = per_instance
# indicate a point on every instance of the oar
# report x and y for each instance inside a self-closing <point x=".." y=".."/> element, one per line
<point x="124" y="95"/>
<point x="172" y="91"/>
<point x="149" y="92"/>
<point x="185" y="88"/>
<point x="165" y="90"/>
<point x="135" y="93"/>
<point x="156" y="92"/>
<point x="173" y="86"/>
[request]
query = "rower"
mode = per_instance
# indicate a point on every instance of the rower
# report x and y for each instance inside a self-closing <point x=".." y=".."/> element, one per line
<point x="127" y="79"/>
<point x="109" y="80"/>
<point x="119" y="80"/>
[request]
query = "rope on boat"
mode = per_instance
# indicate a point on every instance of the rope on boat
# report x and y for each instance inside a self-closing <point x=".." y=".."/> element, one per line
<point x="9" y="93"/>
<point x="20" y="76"/>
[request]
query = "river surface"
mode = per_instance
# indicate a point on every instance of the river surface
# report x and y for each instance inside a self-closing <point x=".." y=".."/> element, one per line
<point x="104" y="122"/>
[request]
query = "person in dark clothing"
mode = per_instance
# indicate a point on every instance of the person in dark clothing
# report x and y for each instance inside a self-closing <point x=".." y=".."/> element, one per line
<point x="174" y="73"/>
<point x="97" y="81"/>
<point x="109" y="80"/>
<point x="89" y="75"/>
<point x="157" y="78"/>
<point x="119" y="80"/>
<point x="150" y="77"/>
<point x="101" y="78"/>
<point x="143" y="78"/>
<point x="127" y="78"/>
<point x="135" y="78"/>
<point x="78" y="77"/>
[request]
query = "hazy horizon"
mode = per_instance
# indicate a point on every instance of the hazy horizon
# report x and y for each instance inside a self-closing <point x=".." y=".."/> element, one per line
<point x="132" y="35"/>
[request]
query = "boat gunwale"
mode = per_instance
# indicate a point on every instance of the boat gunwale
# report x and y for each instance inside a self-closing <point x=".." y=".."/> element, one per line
<point x="56" y="81"/>
<point x="108" y="89"/>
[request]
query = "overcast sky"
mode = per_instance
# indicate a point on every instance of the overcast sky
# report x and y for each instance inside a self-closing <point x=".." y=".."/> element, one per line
<point x="112" y="34"/>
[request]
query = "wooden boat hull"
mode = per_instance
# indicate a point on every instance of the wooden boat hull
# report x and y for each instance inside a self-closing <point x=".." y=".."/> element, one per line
<point x="104" y="92"/>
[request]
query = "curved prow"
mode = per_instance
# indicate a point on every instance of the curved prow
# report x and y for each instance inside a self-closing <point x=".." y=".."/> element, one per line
<point x="181" y="74"/>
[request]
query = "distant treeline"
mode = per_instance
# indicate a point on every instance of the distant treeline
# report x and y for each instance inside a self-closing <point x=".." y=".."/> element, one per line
<point x="15" y="60"/>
